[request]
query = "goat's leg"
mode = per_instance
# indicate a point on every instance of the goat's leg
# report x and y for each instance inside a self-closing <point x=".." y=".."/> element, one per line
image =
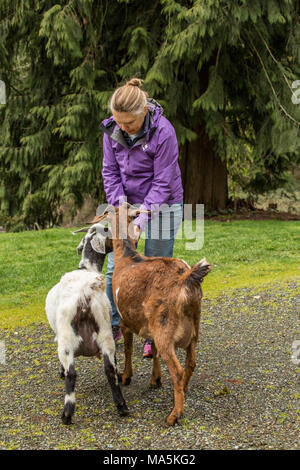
<point x="155" y="381"/>
<point x="177" y="374"/>
<point x="128" y="347"/>
<point x="66" y="359"/>
<point x="69" y="408"/>
<point x="190" y="360"/>
<point x="190" y="363"/>
<point x="112" y="377"/>
<point x="107" y="346"/>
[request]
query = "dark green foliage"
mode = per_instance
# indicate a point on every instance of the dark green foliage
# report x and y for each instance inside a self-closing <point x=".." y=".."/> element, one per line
<point x="57" y="80"/>
<point x="227" y="65"/>
<point x="232" y="64"/>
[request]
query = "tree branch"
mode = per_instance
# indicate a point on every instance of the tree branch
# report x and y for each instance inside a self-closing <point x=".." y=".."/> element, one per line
<point x="270" y="82"/>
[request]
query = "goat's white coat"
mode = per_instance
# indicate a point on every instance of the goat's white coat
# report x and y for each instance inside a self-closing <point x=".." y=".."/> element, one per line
<point x="61" y="308"/>
<point x="78" y="305"/>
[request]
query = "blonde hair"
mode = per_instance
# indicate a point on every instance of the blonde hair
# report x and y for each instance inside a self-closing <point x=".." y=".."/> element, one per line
<point x="129" y="98"/>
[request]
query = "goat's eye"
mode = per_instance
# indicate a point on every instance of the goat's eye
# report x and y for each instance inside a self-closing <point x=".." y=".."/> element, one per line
<point x="106" y="229"/>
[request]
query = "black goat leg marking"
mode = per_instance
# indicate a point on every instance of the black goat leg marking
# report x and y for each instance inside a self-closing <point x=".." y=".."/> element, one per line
<point x="112" y="378"/>
<point x="62" y="372"/>
<point x="69" y="408"/>
<point x="119" y="375"/>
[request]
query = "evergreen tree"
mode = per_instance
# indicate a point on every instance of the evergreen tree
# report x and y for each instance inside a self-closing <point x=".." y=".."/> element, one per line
<point x="225" y="70"/>
<point x="221" y="69"/>
<point x="60" y="62"/>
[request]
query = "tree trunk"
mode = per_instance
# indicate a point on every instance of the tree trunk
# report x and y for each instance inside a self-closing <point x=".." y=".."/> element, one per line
<point x="204" y="174"/>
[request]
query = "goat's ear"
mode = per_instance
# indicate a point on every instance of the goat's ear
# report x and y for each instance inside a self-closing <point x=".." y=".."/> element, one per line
<point x="135" y="212"/>
<point x="98" y="243"/>
<point x="102" y="213"/>
<point x="80" y="247"/>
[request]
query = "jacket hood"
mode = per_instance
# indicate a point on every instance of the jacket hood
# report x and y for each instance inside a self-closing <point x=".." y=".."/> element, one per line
<point x="155" y="109"/>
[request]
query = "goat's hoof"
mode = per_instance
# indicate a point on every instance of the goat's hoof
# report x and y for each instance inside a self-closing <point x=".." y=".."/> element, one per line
<point x="172" y="419"/>
<point x="126" y="380"/>
<point x="67" y="420"/>
<point x="123" y="410"/>
<point x="156" y="384"/>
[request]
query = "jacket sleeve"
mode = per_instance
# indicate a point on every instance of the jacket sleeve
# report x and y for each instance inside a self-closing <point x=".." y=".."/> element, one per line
<point x="112" y="180"/>
<point x="164" y="169"/>
<point x="165" y="165"/>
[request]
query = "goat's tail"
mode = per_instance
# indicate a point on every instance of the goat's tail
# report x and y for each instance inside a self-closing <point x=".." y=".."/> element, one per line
<point x="196" y="274"/>
<point x="192" y="279"/>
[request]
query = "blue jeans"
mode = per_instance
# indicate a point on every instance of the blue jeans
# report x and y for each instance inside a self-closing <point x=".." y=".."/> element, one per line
<point x="160" y="237"/>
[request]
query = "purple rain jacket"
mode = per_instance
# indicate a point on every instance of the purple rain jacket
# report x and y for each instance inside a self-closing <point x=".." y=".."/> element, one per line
<point x="147" y="173"/>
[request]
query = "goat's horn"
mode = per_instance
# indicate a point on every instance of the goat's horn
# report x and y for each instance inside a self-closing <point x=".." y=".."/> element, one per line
<point x="85" y="229"/>
<point x="98" y="218"/>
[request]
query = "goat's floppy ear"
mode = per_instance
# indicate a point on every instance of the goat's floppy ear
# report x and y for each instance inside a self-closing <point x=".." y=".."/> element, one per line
<point x="98" y="243"/>
<point x="134" y="210"/>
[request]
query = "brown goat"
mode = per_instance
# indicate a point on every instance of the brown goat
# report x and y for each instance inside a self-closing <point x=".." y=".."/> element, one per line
<point x="158" y="298"/>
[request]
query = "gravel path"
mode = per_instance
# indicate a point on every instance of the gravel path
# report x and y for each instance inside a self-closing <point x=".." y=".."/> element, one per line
<point x="244" y="393"/>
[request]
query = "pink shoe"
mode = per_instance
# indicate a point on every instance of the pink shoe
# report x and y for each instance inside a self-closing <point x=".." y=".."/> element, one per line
<point x="117" y="333"/>
<point x="147" y="349"/>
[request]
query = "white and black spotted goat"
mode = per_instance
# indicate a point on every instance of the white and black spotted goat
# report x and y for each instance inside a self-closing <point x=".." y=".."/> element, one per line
<point x="79" y="312"/>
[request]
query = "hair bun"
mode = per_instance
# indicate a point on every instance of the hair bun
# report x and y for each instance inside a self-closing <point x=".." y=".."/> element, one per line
<point x="135" y="82"/>
<point x="129" y="98"/>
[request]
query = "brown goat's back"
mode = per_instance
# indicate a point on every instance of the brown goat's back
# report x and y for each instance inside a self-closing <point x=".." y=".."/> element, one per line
<point x="156" y="293"/>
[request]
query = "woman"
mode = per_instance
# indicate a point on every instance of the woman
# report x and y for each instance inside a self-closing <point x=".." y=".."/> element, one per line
<point x="140" y="165"/>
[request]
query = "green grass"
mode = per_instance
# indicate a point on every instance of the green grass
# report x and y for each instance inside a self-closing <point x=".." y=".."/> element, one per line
<point x="243" y="254"/>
